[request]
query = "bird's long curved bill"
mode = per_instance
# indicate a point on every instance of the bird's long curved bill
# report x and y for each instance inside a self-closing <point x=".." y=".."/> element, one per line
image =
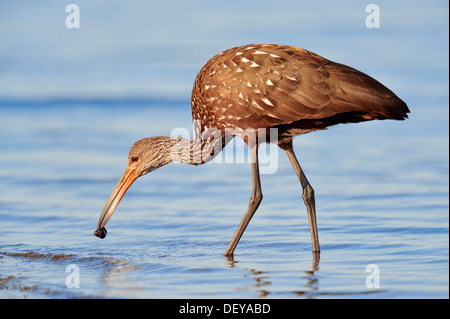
<point x="128" y="177"/>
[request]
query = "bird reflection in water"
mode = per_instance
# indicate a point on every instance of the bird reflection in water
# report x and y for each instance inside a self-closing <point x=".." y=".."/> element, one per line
<point x="263" y="281"/>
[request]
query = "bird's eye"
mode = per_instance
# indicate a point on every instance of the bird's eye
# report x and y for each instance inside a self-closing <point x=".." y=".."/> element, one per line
<point x="134" y="159"/>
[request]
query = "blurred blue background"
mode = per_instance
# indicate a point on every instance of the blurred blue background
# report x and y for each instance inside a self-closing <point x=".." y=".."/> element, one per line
<point x="154" y="49"/>
<point x="72" y="102"/>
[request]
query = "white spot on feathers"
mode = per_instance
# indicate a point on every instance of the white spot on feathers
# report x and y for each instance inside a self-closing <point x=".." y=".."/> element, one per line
<point x="257" y="106"/>
<point x="265" y="100"/>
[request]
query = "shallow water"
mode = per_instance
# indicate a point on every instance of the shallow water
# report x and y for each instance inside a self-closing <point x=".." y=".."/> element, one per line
<point x="381" y="187"/>
<point x="168" y="235"/>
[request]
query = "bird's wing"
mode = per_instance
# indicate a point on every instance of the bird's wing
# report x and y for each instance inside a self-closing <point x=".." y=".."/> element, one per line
<point x="354" y="91"/>
<point x="275" y="84"/>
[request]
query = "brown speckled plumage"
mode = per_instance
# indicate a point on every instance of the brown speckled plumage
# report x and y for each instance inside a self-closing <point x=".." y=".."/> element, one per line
<point x="262" y="86"/>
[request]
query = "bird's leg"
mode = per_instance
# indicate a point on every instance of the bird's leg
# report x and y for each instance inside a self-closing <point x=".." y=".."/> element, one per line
<point x="308" y="198"/>
<point x="255" y="199"/>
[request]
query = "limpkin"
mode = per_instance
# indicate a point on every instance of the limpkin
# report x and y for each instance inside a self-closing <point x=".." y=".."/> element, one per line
<point x="262" y="86"/>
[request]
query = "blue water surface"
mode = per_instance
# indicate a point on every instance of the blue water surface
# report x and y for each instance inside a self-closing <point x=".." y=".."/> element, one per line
<point x="72" y="102"/>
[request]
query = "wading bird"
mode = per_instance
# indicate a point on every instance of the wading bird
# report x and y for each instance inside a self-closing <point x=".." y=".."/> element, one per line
<point x="262" y="86"/>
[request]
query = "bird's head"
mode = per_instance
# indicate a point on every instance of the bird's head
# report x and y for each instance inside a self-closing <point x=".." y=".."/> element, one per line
<point x="145" y="155"/>
<point x="148" y="154"/>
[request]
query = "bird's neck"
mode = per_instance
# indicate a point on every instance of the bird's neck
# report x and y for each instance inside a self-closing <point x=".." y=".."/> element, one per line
<point x="197" y="151"/>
